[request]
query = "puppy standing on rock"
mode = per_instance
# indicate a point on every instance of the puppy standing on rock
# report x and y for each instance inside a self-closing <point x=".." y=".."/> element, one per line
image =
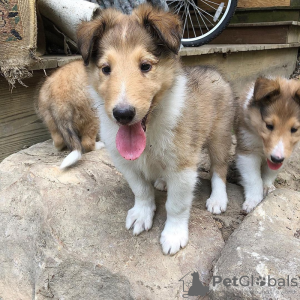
<point x="67" y="109"/>
<point x="156" y="116"/>
<point x="267" y="132"/>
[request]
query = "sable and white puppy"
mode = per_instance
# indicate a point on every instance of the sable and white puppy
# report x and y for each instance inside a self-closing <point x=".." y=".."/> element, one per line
<point x="68" y="111"/>
<point x="156" y="116"/>
<point x="267" y="132"/>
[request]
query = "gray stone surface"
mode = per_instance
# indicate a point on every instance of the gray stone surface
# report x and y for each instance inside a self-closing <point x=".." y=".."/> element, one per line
<point x="289" y="177"/>
<point x="266" y="243"/>
<point x="63" y="236"/>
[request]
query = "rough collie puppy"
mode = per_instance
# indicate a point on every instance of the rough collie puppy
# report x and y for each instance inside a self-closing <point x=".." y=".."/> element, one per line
<point x="267" y="132"/>
<point x="155" y="115"/>
<point x="67" y="109"/>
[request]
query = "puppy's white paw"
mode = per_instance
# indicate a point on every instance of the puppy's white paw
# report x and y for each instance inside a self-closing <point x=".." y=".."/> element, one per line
<point x="99" y="145"/>
<point x="251" y="203"/>
<point x="140" y="218"/>
<point x="268" y="189"/>
<point x="216" y="205"/>
<point x="174" y="237"/>
<point x="160" y="185"/>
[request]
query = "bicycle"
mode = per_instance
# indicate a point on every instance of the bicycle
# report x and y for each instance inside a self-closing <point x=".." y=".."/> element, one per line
<point x="203" y="20"/>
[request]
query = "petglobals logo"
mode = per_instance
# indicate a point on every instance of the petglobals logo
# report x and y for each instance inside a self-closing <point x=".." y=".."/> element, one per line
<point x="267" y="281"/>
<point x="192" y="286"/>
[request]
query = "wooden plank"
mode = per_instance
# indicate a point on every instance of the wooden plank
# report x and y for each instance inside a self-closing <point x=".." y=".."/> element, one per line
<point x="227" y="48"/>
<point x="257" y="16"/>
<point x="295" y="2"/>
<point x="258" y="33"/>
<point x="254" y="35"/>
<point x="266" y="24"/>
<point x="19" y="125"/>
<point x="246" y="3"/>
<point x="52" y="61"/>
<point x="263" y="3"/>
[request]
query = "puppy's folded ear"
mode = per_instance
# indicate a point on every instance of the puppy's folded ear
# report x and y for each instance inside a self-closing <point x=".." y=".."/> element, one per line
<point x="265" y="89"/>
<point x="90" y="33"/>
<point x="164" y="26"/>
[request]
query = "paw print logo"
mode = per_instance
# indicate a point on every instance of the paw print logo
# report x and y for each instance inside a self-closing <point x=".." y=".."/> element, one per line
<point x="261" y="281"/>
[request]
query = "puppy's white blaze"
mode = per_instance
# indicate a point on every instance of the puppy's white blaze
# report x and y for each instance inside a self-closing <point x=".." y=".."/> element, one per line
<point x="122" y="95"/>
<point x="71" y="159"/>
<point x="278" y="150"/>
<point x="249" y="97"/>
<point x="124" y="33"/>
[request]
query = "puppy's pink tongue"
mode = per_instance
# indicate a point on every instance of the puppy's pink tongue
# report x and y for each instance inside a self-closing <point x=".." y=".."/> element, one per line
<point x="273" y="166"/>
<point x="131" y="141"/>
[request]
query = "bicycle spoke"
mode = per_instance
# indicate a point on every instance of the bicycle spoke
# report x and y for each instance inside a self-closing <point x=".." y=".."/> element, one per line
<point x="187" y="23"/>
<point x="178" y="10"/>
<point x="185" y="19"/>
<point x="171" y="2"/>
<point x="202" y="10"/>
<point x="203" y="21"/>
<point x="179" y="6"/>
<point x="212" y="2"/>
<point x="192" y="23"/>
<point x="199" y="24"/>
<point x="201" y="15"/>
<point x="208" y="5"/>
<point x="176" y="6"/>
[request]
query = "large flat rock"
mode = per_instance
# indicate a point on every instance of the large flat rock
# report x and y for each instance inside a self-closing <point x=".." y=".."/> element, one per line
<point x="63" y="236"/>
<point x="266" y="246"/>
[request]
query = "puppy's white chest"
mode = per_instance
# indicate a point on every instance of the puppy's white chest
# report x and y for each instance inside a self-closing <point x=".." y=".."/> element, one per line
<point x="156" y="161"/>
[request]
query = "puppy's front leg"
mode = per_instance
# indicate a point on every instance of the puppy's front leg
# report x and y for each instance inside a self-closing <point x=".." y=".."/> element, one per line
<point x="140" y="217"/>
<point x="250" y="169"/>
<point x="180" y="195"/>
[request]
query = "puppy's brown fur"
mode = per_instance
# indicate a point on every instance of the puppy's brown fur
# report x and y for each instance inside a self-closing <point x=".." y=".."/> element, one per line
<point x="67" y="109"/>
<point x="121" y="41"/>
<point x="268" y="129"/>
<point x="212" y="100"/>
<point x="132" y="61"/>
<point x="275" y="102"/>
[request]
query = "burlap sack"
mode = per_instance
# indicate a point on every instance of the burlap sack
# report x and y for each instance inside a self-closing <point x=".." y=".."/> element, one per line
<point x="18" y="38"/>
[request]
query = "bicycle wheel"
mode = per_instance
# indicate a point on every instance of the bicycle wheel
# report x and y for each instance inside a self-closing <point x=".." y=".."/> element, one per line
<point x="202" y="20"/>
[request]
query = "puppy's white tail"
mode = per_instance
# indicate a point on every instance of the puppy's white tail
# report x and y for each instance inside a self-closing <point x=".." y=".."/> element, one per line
<point x="71" y="159"/>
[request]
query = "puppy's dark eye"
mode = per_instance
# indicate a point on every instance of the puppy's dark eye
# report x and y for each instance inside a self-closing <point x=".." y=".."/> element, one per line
<point x="106" y="70"/>
<point x="270" y="127"/>
<point x="145" y="67"/>
<point x="293" y="130"/>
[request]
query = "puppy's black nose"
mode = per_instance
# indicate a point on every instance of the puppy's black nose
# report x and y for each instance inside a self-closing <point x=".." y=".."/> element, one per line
<point x="276" y="159"/>
<point x="124" y="115"/>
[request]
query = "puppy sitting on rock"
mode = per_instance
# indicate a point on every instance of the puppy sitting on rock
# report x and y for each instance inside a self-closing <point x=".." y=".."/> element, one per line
<point x="156" y="115"/>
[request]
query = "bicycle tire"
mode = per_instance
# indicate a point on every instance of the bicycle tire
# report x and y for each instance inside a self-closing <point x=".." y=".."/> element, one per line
<point x="218" y="29"/>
